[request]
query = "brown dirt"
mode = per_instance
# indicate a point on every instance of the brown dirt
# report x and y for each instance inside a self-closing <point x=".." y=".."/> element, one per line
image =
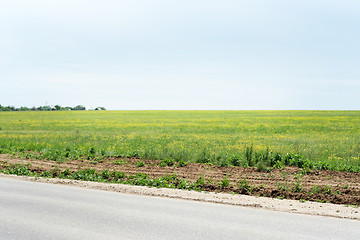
<point x="336" y="187"/>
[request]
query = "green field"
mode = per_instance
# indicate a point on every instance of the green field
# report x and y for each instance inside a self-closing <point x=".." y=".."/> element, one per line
<point x="326" y="139"/>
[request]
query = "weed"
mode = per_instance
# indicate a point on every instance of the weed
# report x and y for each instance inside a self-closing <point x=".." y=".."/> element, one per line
<point x="283" y="186"/>
<point x="47" y="174"/>
<point x="224" y="163"/>
<point x="105" y="174"/>
<point x="244" y="186"/>
<point x="235" y="161"/>
<point x="261" y="167"/>
<point x="92" y="151"/>
<point x="279" y="165"/>
<point x="315" y="190"/>
<point x="120" y="162"/>
<point x="327" y="189"/>
<point x="249" y="155"/>
<point x="297" y="187"/>
<point x="135" y="154"/>
<point x="224" y="182"/>
<point x="166" y="162"/>
<point x="140" y="164"/>
<point x="305" y="171"/>
<point x="200" y="182"/>
<point x="181" y="163"/>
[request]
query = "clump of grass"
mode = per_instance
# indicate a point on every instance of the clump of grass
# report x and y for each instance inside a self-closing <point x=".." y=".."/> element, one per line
<point x="120" y="162"/>
<point x="225" y="182"/>
<point x="140" y="164"/>
<point x="244" y="186"/>
<point x="235" y="161"/>
<point x="200" y="182"/>
<point x="261" y="167"/>
<point x="315" y="189"/>
<point x="181" y="163"/>
<point x="166" y="162"/>
<point x="283" y="186"/>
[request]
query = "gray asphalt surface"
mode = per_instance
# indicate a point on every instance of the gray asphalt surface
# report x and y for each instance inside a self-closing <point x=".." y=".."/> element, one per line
<point x="30" y="210"/>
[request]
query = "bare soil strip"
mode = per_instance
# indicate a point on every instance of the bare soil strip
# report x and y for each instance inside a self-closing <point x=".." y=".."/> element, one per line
<point x="266" y="188"/>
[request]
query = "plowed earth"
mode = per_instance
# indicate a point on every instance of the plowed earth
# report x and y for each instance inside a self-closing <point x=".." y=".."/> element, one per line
<point x="288" y="183"/>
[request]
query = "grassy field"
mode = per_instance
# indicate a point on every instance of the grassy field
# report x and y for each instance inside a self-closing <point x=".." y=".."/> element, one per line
<point x="314" y="139"/>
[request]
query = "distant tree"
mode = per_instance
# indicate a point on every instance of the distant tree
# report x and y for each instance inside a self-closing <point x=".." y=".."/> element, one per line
<point x="79" y="107"/>
<point x="57" y="107"/>
<point x="24" y="109"/>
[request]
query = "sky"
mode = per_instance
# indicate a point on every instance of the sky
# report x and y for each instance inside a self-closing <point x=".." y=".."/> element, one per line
<point x="181" y="55"/>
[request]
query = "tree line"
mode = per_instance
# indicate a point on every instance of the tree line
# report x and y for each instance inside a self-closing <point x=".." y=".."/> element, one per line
<point x="47" y="108"/>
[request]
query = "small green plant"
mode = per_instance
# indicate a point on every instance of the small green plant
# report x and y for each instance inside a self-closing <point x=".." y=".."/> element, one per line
<point x="47" y="174"/>
<point x="96" y="160"/>
<point x="337" y="192"/>
<point x="235" y="161"/>
<point x="279" y="165"/>
<point x="140" y="164"/>
<point x="315" y="190"/>
<point x="305" y="171"/>
<point x="200" y="182"/>
<point x="106" y="174"/>
<point x="297" y="187"/>
<point x="249" y="155"/>
<point x="135" y="154"/>
<point x="92" y="151"/>
<point x="327" y="189"/>
<point x="166" y="162"/>
<point x="261" y="167"/>
<point x="284" y="175"/>
<point x="117" y="176"/>
<point x="120" y="162"/>
<point x="244" y="186"/>
<point x="282" y="186"/>
<point x="224" y="163"/>
<point x="224" y="182"/>
<point x="181" y="163"/>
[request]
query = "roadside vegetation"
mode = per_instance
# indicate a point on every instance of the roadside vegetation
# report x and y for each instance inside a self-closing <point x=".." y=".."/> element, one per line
<point x="288" y="183"/>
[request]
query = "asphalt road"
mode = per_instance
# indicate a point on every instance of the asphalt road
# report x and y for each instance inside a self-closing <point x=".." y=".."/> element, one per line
<point x="30" y="210"/>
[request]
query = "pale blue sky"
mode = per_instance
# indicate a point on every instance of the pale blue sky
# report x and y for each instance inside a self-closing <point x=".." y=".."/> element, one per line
<point x="172" y="54"/>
